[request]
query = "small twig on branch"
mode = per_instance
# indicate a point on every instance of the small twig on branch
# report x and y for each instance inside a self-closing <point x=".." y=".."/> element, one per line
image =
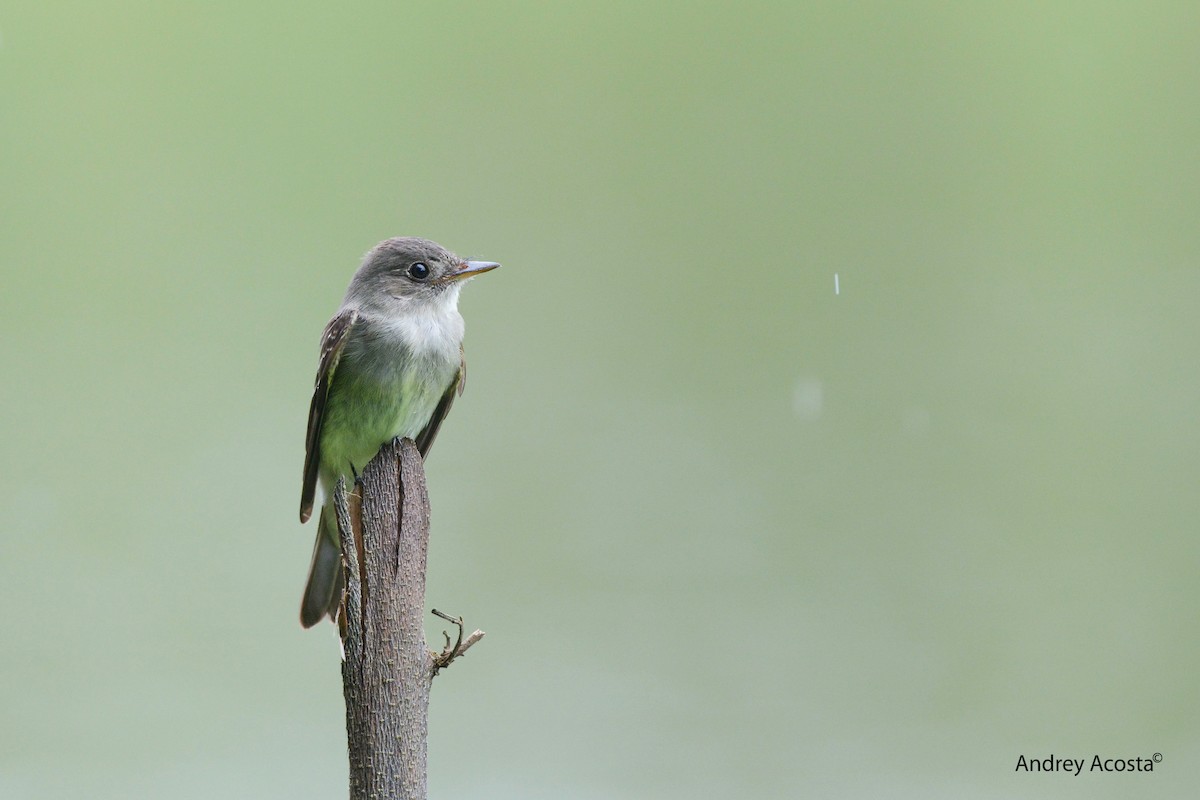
<point x="443" y="659"/>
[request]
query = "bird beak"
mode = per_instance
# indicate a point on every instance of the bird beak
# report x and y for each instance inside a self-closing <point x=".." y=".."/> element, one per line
<point x="469" y="269"/>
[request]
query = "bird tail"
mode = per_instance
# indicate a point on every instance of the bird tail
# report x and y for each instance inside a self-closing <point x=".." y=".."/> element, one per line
<point x="323" y="592"/>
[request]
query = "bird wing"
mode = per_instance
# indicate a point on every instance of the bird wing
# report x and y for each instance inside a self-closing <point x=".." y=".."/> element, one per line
<point x="333" y="342"/>
<point x="425" y="437"/>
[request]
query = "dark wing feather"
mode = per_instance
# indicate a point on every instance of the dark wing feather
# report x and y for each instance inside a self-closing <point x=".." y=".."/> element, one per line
<point x="333" y="342"/>
<point x="427" y="434"/>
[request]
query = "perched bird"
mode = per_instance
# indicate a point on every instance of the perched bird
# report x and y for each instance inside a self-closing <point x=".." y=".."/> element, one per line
<point x="391" y="365"/>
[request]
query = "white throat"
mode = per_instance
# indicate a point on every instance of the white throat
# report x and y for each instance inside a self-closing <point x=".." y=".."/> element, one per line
<point x="427" y="328"/>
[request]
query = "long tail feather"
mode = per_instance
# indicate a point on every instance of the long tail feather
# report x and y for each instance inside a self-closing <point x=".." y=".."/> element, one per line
<point x="322" y="593"/>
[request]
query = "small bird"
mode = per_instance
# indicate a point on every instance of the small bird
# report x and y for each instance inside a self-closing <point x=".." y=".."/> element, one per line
<point x="391" y="365"/>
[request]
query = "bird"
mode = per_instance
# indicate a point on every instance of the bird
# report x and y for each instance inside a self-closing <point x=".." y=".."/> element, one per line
<point x="391" y="365"/>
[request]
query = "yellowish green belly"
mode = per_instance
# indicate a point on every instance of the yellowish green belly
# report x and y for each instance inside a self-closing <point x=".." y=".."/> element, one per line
<point x="362" y="413"/>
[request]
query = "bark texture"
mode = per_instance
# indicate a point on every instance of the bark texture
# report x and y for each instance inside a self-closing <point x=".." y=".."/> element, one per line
<point x="387" y="669"/>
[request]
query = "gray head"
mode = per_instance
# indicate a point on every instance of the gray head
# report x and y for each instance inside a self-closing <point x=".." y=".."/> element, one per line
<point x="407" y="270"/>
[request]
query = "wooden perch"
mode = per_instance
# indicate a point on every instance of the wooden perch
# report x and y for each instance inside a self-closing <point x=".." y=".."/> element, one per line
<point x="387" y="668"/>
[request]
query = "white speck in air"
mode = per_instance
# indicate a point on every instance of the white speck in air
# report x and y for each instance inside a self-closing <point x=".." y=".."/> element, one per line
<point x="808" y="398"/>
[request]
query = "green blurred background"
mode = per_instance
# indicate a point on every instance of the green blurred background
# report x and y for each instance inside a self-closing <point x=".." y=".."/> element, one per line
<point x="730" y="533"/>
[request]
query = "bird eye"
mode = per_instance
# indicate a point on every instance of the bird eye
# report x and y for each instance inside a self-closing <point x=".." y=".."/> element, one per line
<point x="418" y="271"/>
